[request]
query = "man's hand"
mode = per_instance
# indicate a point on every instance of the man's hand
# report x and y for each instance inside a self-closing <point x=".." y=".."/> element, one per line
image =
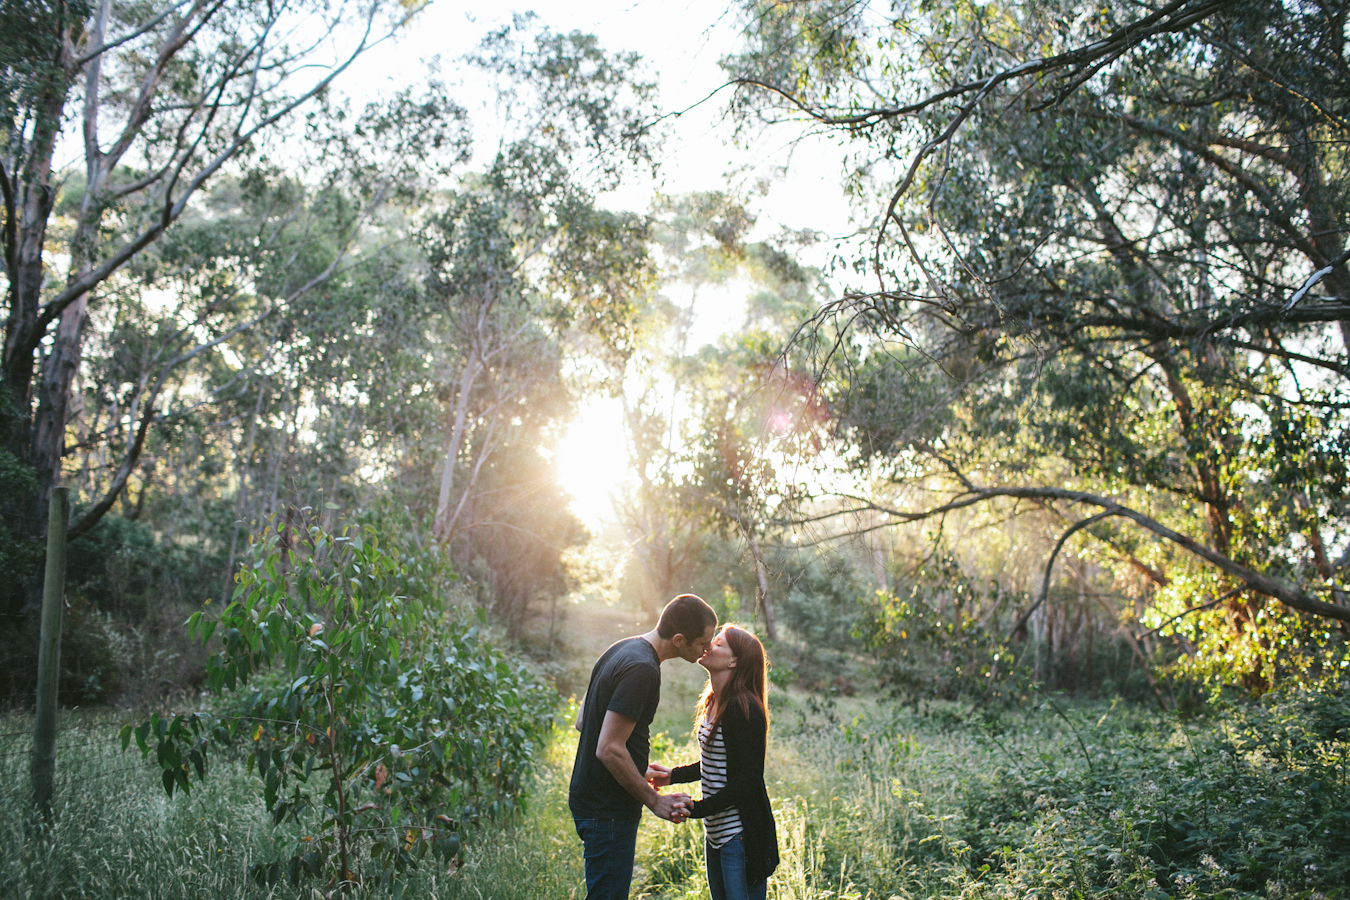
<point x="658" y="776"/>
<point x="671" y="807"/>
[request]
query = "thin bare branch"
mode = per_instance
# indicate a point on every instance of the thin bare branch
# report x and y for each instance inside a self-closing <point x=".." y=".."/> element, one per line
<point x="1050" y="565"/>
<point x="1256" y="581"/>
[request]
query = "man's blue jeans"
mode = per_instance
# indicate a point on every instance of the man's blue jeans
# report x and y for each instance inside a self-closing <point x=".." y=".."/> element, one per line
<point x="609" y="846"/>
<point x="726" y="873"/>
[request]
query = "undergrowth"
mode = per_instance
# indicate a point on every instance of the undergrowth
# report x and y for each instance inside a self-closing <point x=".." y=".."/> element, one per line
<point x="1058" y="799"/>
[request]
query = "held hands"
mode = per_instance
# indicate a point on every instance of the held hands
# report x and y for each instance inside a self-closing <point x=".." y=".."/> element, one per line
<point x="658" y="776"/>
<point x="672" y="807"/>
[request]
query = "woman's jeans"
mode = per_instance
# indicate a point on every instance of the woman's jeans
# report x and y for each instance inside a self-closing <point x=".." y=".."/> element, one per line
<point x="609" y="846"/>
<point x="726" y="873"/>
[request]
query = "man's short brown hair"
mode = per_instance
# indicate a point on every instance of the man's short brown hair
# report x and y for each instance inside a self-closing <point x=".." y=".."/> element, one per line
<point x="688" y="615"/>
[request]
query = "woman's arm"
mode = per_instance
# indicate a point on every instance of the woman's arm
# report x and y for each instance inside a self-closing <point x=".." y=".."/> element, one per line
<point x="659" y="776"/>
<point x="745" y="741"/>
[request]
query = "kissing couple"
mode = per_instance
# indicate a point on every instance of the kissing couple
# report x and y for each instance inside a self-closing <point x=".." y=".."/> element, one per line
<point x="613" y="779"/>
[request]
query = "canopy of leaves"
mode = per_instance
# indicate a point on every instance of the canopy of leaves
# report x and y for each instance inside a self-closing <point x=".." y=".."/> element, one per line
<point x="1098" y="275"/>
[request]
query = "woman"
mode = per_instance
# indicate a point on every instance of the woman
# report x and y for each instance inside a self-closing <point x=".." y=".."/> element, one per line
<point x="732" y="727"/>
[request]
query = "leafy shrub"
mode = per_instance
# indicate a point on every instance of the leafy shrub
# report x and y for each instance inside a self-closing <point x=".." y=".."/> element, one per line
<point x="929" y="643"/>
<point x="1255" y="804"/>
<point x="944" y="635"/>
<point x="127" y="593"/>
<point x="375" y="717"/>
<point x="818" y="618"/>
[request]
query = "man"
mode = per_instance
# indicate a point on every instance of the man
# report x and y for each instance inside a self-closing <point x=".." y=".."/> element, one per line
<point x="609" y="786"/>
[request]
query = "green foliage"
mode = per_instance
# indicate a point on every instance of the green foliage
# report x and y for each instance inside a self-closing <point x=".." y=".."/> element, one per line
<point x="943" y="634"/>
<point x="19" y="558"/>
<point x="820" y="601"/>
<point x="370" y="714"/>
<point x="933" y="642"/>
<point x="126" y="592"/>
<point x="1079" y="289"/>
<point x="115" y="838"/>
<point x="872" y="801"/>
<point x="1255" y="803"/>
<point x="30" y="50"/>
<point x="1058" y="799"/>
<point x="592" y="106"/>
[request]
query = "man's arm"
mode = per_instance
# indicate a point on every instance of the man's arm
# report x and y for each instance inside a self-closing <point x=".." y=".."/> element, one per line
<point x="611" y="751"/>
<point x="581" y="709"/>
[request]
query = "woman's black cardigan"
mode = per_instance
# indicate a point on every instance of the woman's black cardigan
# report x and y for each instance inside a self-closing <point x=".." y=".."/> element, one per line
<point x="745" y="740"/>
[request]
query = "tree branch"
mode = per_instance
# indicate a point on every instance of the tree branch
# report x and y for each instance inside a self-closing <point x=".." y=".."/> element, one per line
<point x="1050" y="564"/>
<point x="129" y="36"/>
<point x="1162" y="21"/>
<point x="1256" y="581"/>
<point x="174" y="208"/>
<point x="1203" y="606"/>
<point x="11" y="225"/>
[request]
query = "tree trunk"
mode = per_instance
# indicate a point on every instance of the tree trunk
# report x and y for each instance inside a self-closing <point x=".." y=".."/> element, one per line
<point x="879" y="562"/>
<point x="765" y="596"/>
<point x="245" y="463"/>
<point x="33" y="198"/>
<point x="454" y="439"/>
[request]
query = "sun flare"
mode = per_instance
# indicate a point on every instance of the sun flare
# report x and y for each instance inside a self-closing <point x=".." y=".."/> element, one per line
<point x="592" y="459"/>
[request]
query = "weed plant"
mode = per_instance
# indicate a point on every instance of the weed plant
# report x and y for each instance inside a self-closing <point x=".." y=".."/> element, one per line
<point x="116" y="835"/>
<point x="1058" y="799"/>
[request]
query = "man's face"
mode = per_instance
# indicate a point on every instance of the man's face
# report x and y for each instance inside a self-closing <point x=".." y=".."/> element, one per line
<point x="693" y="650"/>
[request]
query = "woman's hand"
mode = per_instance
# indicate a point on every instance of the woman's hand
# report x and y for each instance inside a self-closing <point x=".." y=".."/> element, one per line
<point x="658" y="776"/>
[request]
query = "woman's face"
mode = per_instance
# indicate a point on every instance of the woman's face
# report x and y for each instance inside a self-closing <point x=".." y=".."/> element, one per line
<point x="719" y="657"/>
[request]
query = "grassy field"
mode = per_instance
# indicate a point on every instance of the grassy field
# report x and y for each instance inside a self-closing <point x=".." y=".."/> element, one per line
<point x="873" y="800"/>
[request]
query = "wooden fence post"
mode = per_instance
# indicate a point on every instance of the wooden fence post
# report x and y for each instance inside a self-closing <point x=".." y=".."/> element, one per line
<point x="49" y="651"/>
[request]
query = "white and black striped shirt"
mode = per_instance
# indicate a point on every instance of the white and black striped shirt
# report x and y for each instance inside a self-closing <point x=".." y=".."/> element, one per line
<point x="723" y="826"/>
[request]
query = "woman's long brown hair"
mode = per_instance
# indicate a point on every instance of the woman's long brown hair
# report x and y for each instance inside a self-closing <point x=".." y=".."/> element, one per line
<point x="749" y="682"/>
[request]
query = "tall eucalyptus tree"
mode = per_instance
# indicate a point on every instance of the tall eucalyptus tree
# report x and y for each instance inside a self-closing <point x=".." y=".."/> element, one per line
<point x="159" y="98"/>
<point x="1110" y="243"/>
<point x="527" y="265"/>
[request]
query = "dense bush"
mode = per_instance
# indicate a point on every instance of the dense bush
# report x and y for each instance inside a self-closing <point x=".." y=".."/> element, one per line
<point x="819" y="616"/>
<point x="1252" y="802"/>
<point x="371" y="709"/>
<point x="1055" y="799"/>
<point x="115" y="838"/>
<point x="127" y="594"/>
<point x="943" y="634"/>
<point x="930" y="641"/>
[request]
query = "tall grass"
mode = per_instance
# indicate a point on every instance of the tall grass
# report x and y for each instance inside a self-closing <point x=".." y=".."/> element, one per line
<point x="872" y="801"/>
<point x="116" y="835"/>
<point x="1056" y="800"/>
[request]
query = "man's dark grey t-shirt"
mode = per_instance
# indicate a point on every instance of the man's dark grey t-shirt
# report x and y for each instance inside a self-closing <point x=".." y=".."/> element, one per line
<point x="627" y="680"/>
